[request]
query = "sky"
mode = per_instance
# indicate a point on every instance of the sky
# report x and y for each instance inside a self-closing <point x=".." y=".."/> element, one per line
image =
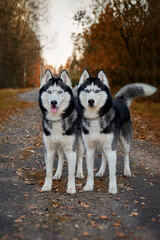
<point x="57" y="32"/>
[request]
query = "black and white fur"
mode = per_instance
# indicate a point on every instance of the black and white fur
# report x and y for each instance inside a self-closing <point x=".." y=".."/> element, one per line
<point x="61" y="128"/>
<point x="105" y="121"/>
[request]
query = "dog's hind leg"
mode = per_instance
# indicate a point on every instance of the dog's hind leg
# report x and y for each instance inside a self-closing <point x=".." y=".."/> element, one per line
<point x="126" y="146"/>
<point x="71" y="159"/>
<point x="126" y="139"/>
<point x="49" y="157"/>
<point x="102" y="169"/>
<point x="58" y="174"/>
<point x="80" y="152"/>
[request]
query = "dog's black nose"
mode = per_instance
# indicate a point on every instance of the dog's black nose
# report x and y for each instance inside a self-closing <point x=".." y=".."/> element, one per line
<point x="91" y="102"/>
<point x="53" y="102"/>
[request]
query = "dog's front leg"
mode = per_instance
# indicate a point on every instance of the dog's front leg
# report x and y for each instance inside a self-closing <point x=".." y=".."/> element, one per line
<point x="58" y="174"/>
<point x="112" y="158"/>
<point x="49" y="157"/>
<point x="80" y="152"/>
<point x="71" y="159"/>
<point x="90" y="172"/>
<point x="102" y="169"/>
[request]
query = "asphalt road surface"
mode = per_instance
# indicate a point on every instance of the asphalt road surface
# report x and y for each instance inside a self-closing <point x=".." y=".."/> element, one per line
<point x="27" y="213"/>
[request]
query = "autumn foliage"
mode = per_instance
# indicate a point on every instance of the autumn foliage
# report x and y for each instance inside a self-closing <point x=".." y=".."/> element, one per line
<point x="19" y="47"/>
<point x="123" y="38"/>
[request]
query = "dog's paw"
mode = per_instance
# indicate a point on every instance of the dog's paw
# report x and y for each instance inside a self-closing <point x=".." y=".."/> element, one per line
<point x="79" y="175"/>
<point x="71" y="190"/>
<point x="99" y="174"/>
<point x="46" y="188"/>
<point x="88" y="188"/>
<point x="127" y="173"/>
<point x="56" y="176"/>
<point x="113" y="190"/>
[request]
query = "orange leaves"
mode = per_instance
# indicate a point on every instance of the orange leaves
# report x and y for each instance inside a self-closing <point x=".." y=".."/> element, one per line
<point x="103" y="217"/>
<point x="20" y="219"/>
<point x="85" y="205"/>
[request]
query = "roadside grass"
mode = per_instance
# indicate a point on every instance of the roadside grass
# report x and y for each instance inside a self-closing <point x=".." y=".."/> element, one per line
<point x="9" y="103"/>
<point x="146" y="119"/>
<point x="147" y="109"/>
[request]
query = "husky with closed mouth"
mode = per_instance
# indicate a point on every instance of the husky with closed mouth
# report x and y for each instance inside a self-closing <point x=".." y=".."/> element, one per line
<point x="105" y="121"/>
<point x="61" y="128"/>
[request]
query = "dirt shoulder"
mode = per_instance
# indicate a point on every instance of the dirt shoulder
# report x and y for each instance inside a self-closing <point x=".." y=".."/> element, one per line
<point x="27" y="213"/>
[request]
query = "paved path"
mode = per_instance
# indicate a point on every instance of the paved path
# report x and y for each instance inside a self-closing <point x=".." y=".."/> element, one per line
<point x="27" y="213"/>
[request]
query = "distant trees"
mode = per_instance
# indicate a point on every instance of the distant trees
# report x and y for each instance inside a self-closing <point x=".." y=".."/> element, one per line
<point x="19" y="47"/>
<point x="123" y="38"/>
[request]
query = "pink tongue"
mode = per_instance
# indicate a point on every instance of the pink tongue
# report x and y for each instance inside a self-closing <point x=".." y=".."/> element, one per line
<point x="54" y="110"/>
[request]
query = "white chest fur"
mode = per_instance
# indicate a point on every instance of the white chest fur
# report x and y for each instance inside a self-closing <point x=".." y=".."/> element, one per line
<point x="96" y="139"/>
<point x="57" y="139"/>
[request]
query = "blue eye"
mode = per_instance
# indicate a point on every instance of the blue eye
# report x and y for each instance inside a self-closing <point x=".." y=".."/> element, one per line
<point x="86" y="90"/>
<point x="97" y="91"/>
<point x="49" y="92"/>
<point x="60" y="92"/>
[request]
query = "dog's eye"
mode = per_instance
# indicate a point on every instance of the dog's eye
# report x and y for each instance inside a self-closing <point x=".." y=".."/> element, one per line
<point x="60" y="92"/>
<point x="97" y="91"/>
<point x="86" y="90"/>
<point x="49" y="92"/>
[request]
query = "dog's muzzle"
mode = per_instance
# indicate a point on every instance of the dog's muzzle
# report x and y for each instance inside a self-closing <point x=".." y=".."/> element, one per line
<point x="91" y="102"/>
<point x="54" y="106"/>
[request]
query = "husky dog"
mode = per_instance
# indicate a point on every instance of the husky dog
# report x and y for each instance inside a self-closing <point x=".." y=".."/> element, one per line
<point x="104" y="121"/>
<point x="61" y="128"/>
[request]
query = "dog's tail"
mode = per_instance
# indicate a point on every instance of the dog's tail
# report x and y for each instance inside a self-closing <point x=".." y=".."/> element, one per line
<point x="134" y="90"/>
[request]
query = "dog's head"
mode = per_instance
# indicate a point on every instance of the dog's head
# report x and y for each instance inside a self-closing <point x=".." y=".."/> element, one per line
<point x="55" y="93"/>
<point x="93" y="94"/>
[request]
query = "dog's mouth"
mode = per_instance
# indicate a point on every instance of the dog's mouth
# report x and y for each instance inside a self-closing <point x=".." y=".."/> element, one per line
<point x="54" y="107"/>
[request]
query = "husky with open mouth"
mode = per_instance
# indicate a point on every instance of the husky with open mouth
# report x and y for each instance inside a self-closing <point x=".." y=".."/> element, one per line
<point x="105" y="121"/>
<point x="61" y="128"/>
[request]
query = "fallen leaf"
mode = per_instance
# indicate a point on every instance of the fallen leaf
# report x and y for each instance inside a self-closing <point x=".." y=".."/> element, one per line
<point x="26" y="196"/>
<point x="86" y="234"/>
<point x="89" y="214"/>
<point x="103" y="217"/>
<point x="84" y="205"/>
<point x="40" y="190"/>
<point x="120" y="234"/>
<point x="142" y="203"/>
<point x="45" y="226"/>
<point x="71" y="207"/>
<point x="134" y="214"/>
<point x="33" y="207"/>
<point x="55" y="205"/>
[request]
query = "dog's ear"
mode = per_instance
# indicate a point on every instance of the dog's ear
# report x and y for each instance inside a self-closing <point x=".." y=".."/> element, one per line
<point x="47" y="76"/>
<point x="103" y="78"/>
<point x="84" y="77"/>
<point x="65" y="78"/>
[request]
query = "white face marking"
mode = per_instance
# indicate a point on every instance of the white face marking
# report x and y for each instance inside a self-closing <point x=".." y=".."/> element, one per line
<point x="92" y="98"/>
<point x="55" y="94"/>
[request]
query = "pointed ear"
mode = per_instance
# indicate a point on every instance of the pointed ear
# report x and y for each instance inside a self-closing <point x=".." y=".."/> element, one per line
<point x="47" y="76"/>
<point x="65" y="78"/>
<point x="83" y="77"/>
<point x="103" y="78"/>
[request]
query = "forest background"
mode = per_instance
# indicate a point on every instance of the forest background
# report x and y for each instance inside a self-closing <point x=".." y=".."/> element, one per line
<point x="121" y="36"/>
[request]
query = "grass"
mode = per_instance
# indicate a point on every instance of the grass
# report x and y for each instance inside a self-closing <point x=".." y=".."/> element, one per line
<point x="9" y="103"/>
<point x="147" y="108"/>
<point x="148" y="113"/>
